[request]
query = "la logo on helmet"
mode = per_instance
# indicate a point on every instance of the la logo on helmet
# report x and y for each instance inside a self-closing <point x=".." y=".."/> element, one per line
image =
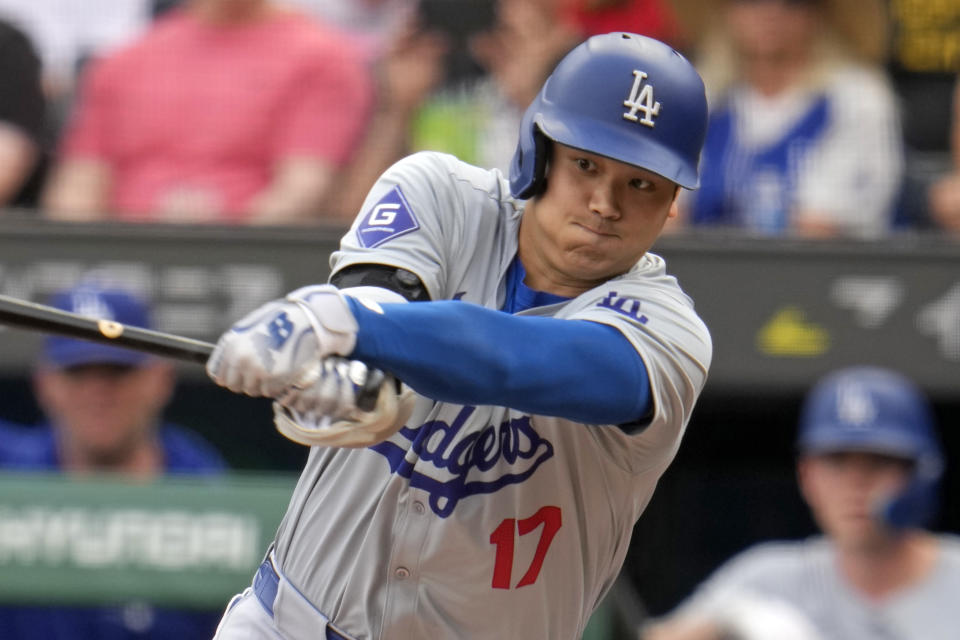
<point x="641" y="99"/>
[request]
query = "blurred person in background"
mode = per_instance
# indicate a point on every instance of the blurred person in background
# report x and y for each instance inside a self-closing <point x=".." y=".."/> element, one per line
<point x="373" y="22"/>
<point x="224" y="111"/>
<point x="430" y="98"/>
<point x="426" y="97"/>
<point x="476" y="117"/>
<point x="869" y="468"/>
<point x="104" y="408"/>
<point x="655" y="18"/>
<point x="67" y="35"/>
<point x="22" y="120"/>
<point x="408" y="60"/>
<point x="435" y="100"/>
<point x="944" y="196"/>
<point x="804" y="133"/>
<point x="517" y="53"/>
<point x="924" y="62"/>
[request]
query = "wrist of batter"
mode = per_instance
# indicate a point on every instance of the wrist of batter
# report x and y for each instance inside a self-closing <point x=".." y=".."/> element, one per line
<point x="369" y="318"/>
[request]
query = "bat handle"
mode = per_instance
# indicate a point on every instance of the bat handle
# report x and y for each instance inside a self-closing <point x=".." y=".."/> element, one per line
<point x="38" y="317"/>
<point x="369" y="391"/>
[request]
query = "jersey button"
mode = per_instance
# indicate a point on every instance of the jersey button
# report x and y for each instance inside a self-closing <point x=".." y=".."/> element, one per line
<point x="402" y="573"/>
<point x="418" y="508"/>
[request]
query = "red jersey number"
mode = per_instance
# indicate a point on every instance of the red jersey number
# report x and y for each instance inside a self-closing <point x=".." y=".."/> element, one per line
<point x="504" y="538"/>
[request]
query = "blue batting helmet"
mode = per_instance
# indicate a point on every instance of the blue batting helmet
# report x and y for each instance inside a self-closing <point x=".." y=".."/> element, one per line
<point x="619" y="95"/>
<point x="875" y="410"/>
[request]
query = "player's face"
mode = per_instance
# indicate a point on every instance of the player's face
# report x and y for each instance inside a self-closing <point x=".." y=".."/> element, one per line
<point x="772" y="29"/>
<point x="104" y="411"/>
<point x="843" y="490"/>
<point x="596" y="218"/>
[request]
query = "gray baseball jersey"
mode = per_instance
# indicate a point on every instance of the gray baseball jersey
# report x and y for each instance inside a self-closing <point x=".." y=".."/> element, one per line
<point x="483" y="521"/>
<point x="804" y="574"/>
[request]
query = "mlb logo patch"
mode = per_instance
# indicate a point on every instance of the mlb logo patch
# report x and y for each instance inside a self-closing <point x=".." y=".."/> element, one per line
<point x="390" y="218"/>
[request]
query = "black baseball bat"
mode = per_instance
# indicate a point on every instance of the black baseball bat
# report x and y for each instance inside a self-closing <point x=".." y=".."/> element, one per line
<point x="39" y="317"/>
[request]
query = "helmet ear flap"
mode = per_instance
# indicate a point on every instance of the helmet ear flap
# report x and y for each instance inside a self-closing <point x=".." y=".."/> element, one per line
<point x="530" y="163"/>
<point x="543" y="147"/>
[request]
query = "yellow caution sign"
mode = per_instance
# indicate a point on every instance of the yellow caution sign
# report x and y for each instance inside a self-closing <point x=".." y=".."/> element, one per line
<point x="789" y="334"/>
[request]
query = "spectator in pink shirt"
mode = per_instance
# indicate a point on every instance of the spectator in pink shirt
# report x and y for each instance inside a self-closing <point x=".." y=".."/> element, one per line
<point x="226" y="111"/>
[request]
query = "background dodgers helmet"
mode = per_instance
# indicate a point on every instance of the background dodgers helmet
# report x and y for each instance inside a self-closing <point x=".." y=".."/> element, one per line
<point x="878" y="411"/>
<point x="619" y="95"/>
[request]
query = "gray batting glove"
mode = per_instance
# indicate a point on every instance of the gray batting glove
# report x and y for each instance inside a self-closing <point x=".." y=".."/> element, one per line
<point x="331" y="389"/>
<point x="279" y="345"/>
<point x="355" y="428"/>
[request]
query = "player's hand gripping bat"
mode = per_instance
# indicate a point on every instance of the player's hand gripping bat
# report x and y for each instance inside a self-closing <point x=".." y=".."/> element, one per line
<point x="375" y="399"/>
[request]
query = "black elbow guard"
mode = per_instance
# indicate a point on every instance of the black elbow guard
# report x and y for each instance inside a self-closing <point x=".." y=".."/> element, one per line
<point x="401" y="281"/>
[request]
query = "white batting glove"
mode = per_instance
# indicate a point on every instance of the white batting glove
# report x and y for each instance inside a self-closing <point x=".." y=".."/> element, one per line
<point x="355" y="428"/>
<point x="334" y="389"/>
<point x="279" y="345"/>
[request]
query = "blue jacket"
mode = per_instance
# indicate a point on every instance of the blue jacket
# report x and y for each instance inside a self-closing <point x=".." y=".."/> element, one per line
<point x="34" y="449"/>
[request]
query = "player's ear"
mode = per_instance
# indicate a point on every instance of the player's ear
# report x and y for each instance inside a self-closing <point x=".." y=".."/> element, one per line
<point x="675" y="205"/>
<point x="803" y="478"/>
<point x="48" y="388"/>
<point x="160" y="378"/>
<point x="40" y="380"/>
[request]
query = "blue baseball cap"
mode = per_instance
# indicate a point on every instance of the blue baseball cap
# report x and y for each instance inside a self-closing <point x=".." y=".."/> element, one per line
<point x="869" y="409"/>
<point x="876" y="410"/>
<point x="100" y="303"/>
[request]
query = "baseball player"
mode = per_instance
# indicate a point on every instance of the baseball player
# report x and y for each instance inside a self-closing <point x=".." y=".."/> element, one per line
<point x="869" y="468"/>
<point x="554" y="363"/>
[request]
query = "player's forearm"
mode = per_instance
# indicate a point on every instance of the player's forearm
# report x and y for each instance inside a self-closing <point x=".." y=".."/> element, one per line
<point x="78" y="191"/>
<point x="296" y="194"/>
<point x="464" y="353"/>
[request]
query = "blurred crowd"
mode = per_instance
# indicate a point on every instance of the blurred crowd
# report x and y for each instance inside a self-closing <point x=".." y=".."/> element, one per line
<point x="828" y="118"/>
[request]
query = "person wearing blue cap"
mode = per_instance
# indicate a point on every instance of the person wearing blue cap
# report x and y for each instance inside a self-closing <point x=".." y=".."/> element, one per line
<point x="103" y="406"/>
<point x="869" y="465"/>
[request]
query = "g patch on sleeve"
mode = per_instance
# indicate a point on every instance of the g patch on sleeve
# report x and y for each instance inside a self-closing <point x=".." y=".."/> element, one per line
<point x="391" y="217"/>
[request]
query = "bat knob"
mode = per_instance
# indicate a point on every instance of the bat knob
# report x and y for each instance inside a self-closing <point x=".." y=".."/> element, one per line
<point x="370" y="389"/>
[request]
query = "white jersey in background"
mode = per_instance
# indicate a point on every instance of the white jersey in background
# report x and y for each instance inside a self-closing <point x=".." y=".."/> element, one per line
<point x="805" y="575"/>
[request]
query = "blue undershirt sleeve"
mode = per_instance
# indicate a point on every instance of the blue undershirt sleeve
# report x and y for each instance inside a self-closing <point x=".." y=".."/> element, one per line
<point x="458" y="352"/>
